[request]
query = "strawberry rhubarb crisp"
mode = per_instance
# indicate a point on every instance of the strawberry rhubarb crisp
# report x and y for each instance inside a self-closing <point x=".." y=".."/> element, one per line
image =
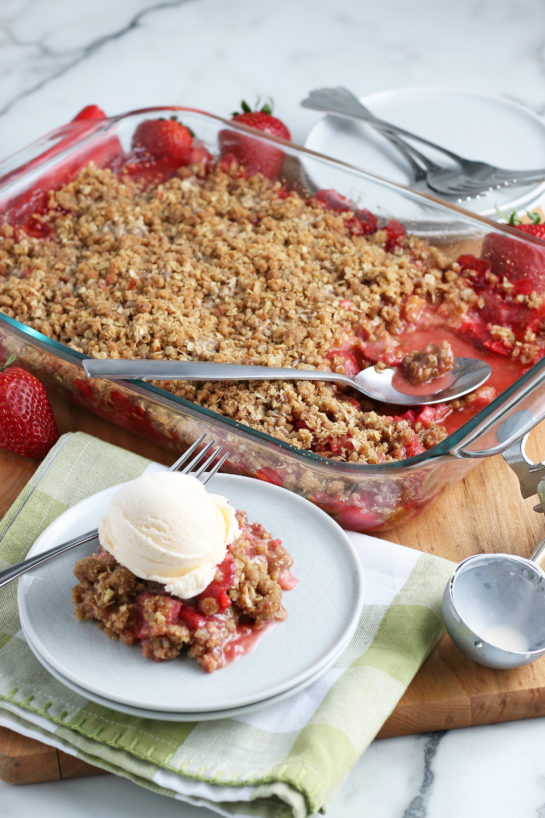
<point x="215" y="263"/>
<point x="179" y="571"/>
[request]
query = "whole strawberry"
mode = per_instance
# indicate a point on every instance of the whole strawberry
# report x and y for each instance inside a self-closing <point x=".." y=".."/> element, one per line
<point x="164" y="139"/>
<point x="89" y="112"/>
<point x="27" y="425"/>
<point x="255" y="156"/>
<point x="535" y="228"/>
<point x="522" y="263"/>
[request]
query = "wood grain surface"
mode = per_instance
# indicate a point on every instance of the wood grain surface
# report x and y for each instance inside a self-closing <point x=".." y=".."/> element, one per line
<point x="482" y="513"/>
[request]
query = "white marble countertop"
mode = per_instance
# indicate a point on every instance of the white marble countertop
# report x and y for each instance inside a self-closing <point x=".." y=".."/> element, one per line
<point x="56" y="57"/>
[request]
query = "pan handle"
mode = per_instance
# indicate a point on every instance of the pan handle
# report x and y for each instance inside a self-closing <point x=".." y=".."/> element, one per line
<point x="508" y="419"/>
<point x="530" y="475"/>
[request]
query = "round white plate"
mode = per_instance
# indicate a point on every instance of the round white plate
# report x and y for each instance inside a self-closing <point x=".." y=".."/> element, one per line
<point x="165" y="715"/>
<point x="475" y="125"/>
<point x="323" y="612"/>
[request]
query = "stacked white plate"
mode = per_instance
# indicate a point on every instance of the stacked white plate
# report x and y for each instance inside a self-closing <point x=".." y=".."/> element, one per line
<point x="475" y="125"/>
<point x="323" y="613"/>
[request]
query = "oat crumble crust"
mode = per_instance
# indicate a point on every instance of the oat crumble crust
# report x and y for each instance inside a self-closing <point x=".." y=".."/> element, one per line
<point x="113" y="596"/>
<point x="213" y="266"/>
<point x="430" y="362"/>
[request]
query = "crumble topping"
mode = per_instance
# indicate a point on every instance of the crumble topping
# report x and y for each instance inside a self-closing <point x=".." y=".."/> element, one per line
<point x="213" y="266"/>
<point x="428" y="363"/>
<point x="245" y="595"/>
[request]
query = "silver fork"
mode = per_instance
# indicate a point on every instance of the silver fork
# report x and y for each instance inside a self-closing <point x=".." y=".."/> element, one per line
<point x="471" y="176"/>
<point x="196" y="466"/>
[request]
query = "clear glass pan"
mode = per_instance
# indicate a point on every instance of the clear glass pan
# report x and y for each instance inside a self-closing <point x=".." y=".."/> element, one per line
<point x="361" y="497"/>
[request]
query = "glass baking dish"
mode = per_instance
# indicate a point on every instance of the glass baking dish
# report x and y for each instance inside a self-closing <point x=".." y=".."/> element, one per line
<point x="361" y="497"/>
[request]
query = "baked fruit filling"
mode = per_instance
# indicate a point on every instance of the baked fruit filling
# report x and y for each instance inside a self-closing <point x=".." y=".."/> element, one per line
<point x="209" y="262"/>
<point x="214" y="627"/>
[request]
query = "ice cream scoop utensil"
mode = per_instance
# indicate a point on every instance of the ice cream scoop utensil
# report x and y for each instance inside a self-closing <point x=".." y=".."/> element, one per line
<point x="494" y="608"/>
<point x="196" y="466"/>
<point x="465" y="376"/>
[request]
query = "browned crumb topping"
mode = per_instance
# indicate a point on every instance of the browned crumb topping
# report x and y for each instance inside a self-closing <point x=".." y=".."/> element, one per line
<point x="257" y="592"/>
<point x="134" y="610"/>
<point x="106" y="592"/>
<point x="214" y="267"/>
<point x="428" y="363"/>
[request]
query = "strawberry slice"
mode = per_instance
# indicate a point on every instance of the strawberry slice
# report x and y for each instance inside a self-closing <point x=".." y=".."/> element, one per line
<point x="217" y="589"/>
<point x="191" y="618"/>
<point x="432" y="414"/>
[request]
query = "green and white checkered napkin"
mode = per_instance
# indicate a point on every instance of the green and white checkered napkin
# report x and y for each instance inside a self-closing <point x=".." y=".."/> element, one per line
<point x="288" y="759"/>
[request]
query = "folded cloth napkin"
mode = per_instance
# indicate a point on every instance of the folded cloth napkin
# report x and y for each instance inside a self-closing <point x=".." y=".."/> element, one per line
<point x="287" y="759"/>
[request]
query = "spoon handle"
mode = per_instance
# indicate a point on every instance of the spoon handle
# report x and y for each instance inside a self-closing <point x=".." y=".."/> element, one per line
<point x="342" y="102"/>
<point x="124" y="369"/>
<point x="16" y="570"/>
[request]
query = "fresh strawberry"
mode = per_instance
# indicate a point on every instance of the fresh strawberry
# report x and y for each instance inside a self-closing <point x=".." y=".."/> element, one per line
<point x="519" y="261"/>
<point x="164" y="139"/>
<point x="89" y="112"/>
<point x="255" y="156"/>
<point x="27" y="425"/>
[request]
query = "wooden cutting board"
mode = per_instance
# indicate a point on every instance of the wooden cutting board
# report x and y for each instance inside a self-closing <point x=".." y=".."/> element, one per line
<point x="484" y="512"/>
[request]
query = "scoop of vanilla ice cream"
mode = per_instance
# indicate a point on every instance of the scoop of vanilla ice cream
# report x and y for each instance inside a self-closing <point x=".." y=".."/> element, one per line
<point x="167" y="528"/>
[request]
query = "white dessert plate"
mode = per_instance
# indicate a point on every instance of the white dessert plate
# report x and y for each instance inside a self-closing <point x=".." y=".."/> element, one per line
<point x="323" y="612"/>
<point x="475" y="125"/>
<point x="165" y="715"/>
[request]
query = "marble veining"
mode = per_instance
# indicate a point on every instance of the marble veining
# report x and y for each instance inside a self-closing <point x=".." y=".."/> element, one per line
<point x="417" y="807"/>
<point x="57" y="56"/>
<point x="48" y="60"/>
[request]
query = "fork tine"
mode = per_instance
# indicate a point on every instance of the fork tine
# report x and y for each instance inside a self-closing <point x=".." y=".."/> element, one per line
<point x="198" y="471"/>
<point x="188" y="452"/>
<point x="206" y="477"/>
<point x="210" y="459"/>
<point x="193" y="466"/>
<point x="194" y="462"/>
<point x="16" y="570"/>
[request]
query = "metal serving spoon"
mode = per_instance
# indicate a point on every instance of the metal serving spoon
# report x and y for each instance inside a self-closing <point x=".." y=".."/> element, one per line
<point x="494" y="608"/>
<point x="465" y="376"/>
